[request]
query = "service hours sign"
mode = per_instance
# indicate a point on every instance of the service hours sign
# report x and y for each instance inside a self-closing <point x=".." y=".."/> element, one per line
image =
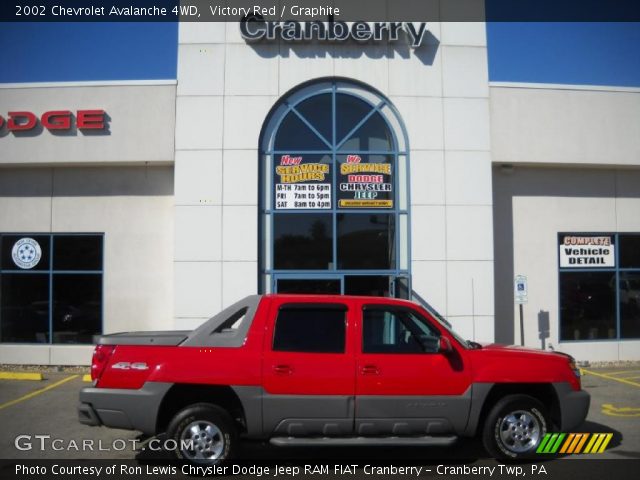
<point x="303" y="182"/>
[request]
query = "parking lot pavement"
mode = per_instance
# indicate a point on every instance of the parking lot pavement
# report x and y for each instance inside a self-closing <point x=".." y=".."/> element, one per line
<point x="47" y="409"/>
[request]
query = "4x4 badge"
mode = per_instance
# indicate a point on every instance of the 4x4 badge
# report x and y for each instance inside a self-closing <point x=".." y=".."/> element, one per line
<point x="130" y="366"/>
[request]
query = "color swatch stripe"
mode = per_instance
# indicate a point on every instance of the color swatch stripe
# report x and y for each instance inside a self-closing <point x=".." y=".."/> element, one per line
<point x="574" y="442"/>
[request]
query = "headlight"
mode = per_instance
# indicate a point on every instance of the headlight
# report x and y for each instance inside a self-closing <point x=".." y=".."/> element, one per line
<point x="574" y="367"/>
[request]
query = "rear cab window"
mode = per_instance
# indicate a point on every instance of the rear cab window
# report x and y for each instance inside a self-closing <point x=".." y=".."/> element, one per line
<point x="310" y="329"/>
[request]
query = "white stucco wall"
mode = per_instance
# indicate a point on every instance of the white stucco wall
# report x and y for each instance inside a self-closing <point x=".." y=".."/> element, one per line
<point x="133" y="207"/>
<point x="141" y="121"/>
<point x="225" y="90"/>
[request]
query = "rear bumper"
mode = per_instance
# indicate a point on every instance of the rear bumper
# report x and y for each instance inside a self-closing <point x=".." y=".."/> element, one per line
<point x="574" y="406"/>
<point x="122" y="408"/>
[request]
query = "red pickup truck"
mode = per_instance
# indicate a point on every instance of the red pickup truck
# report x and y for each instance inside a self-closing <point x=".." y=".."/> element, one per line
<point x="326" y="371"/>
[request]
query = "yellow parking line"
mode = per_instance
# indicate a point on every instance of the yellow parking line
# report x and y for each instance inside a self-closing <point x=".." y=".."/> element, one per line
<point x="37" y="392"/>
<point x="608" y="377"/>
<point x="631" y="378"/>
<point x="20" y="376"/>
<point x="86" y="378"/>
<point x="622" y="371"/>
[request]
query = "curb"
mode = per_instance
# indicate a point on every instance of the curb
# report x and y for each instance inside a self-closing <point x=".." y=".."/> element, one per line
<point x="20" y="376"/>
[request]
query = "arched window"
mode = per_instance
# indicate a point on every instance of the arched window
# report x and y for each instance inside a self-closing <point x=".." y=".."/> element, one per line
<point x="334" y="200"/>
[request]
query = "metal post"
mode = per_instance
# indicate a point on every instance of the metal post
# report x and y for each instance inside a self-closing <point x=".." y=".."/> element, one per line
<point x="521" y="327"/>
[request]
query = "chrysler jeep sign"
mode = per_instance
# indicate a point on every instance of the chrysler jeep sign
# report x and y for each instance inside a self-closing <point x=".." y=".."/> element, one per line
<point x="255" y="28"/>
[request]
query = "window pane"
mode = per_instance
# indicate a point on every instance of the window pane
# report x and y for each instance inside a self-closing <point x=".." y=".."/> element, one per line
<point x="587" y="305"/>
<point x="77" y="252"/>
<point x="294" y="135"/>
<point x="369" y="285"/>
<point x="309" y="286"/>
<point x="310" y="330"/>
<point x="394" y="331"/>
<point x="24" y="315"/>
<point x="302" y="241"/>
<point x="77" y="308"/>
<point x="349" y="112"/>
<point x="629" y="251"/>
<point x="25" y="252"/>
<point x="366" y="241"/>
<point x="303" y="181"/>
<point x="374" y="134"/>
<point x="318" y="112"/>
<point x="630" y="305"/>
<point x="365" y="181"/>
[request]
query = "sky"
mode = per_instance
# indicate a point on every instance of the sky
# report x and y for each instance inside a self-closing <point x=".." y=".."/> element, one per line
<point x="562" y="53"/>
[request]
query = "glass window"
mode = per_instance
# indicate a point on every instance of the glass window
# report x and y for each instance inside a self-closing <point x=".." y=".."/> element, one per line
<point x="310" y="330"/>
<point x="630" y="304"/>
<point x="61" y="295"/>
<point x="397" y="331"/>
<point x="24" y="314"/>
<point x="373" y="135"/>
<point x="629" y="251"/>
<point x="318" y="112"/>
<point x="302" y="241"/>
<point x="587" y="305"/>
<point x="333" y="191"/>
<point x="319" y="286"/>
<point x="349" y="112"/>
<point x="25" y="252"/>
<point x="76" y="307"/>
<point x="77" y="252"/>
<point x="366" y="241"/>
<point x="295" y="135"/>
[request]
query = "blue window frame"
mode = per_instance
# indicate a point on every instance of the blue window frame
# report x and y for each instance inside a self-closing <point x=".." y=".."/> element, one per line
<point x="51" y="287"/>
<point x="599" y="286"/>
<point x="334" y="199"/>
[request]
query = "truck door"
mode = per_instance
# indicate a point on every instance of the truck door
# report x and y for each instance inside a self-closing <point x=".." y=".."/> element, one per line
<point x="309" y="369"/>
<point x="404" y="384"/>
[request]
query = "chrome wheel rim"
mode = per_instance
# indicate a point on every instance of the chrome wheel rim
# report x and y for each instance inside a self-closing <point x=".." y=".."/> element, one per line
<point x="202" y="441"/>
<point x="520" y="431"/>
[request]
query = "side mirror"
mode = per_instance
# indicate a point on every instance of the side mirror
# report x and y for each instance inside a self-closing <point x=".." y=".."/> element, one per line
<point x="444" y="345"/>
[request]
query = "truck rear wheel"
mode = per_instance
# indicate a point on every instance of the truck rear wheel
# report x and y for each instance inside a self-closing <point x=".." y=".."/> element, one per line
<point x="515" y="427"/>
<point x="204" y="434"/>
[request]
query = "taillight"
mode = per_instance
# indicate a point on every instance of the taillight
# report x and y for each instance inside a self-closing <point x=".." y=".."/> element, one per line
<point x="100" y="359"/>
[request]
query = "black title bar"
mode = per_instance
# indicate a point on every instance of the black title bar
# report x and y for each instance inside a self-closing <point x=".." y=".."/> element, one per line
<point x="319" y="10"/>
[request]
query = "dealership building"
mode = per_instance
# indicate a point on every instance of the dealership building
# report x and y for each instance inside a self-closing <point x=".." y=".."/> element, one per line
<point x="384" y="163"/>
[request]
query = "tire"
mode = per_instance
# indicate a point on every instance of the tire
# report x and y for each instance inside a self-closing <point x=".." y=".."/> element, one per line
<point x="211" y="430"/>
<point x="515" y="427"/>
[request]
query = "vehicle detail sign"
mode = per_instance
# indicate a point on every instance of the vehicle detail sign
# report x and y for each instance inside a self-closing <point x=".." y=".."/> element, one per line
<point x="586" y="251"/>
<point x="303" y="182"/>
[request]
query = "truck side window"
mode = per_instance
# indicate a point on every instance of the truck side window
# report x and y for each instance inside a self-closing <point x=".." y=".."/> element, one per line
<point x="310" y="330"/>
<point x="397" y="331"/>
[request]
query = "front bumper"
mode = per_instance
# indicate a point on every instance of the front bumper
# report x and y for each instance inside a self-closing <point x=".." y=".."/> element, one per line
<point x="574" y="406"/>
<point x="123" y="408"/>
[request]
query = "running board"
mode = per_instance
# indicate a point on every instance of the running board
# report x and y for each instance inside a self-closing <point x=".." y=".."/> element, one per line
<point x="441" y="441"/>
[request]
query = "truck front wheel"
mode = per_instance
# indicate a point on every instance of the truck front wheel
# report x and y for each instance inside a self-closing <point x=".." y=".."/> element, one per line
<point x="204" y="434"/>
<point x="515" y="427"/>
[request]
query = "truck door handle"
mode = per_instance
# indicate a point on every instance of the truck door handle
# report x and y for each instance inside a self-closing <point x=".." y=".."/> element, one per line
<point x="370" y="370"/>
<point x="282" y="369"/>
